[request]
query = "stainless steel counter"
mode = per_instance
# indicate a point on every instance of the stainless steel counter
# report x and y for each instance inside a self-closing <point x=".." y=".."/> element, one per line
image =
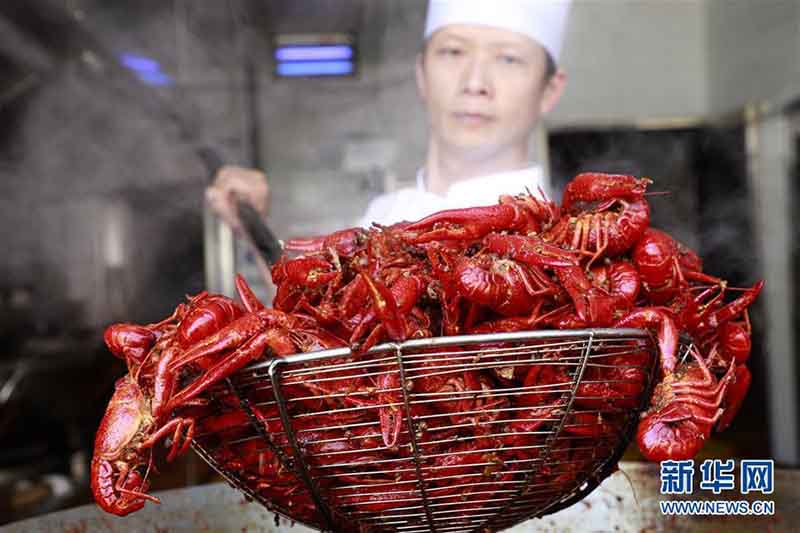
<point x="627" y="501"/>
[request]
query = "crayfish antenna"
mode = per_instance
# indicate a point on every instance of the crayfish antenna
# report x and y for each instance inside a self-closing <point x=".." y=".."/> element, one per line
<point x="138" y="494"/>
<point x="632" y="487"/>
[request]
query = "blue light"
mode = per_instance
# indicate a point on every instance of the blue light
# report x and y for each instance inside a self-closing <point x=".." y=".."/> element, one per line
<point x="315" y="68"/>
<point x="146" y="69"/>
<point x="313" y="53"/>
<point x="139" y="63"/>
<point x="154" y="78"/>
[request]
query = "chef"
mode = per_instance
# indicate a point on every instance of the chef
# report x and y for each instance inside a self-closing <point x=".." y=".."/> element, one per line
<point x="487" y="72"/>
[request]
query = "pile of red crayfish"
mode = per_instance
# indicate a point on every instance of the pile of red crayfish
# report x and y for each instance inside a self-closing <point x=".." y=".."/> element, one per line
<point x="522" y="264"/>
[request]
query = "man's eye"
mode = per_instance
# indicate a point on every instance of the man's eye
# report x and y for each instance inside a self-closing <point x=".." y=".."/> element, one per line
<point x="510" y="59"/>
<point x="450" y="51"/>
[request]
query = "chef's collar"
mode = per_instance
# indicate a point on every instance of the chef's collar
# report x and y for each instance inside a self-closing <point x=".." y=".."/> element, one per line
<point x="510" y="182"/>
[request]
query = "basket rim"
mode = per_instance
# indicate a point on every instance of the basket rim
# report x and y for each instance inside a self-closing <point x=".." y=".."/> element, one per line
<point x="432" y="342"/>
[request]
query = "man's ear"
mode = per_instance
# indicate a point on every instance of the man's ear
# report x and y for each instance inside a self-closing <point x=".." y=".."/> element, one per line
<point x="553" y="91"/>
<point x="420" y="71"/>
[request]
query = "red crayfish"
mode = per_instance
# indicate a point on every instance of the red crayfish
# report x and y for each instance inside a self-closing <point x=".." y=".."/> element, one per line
<point x="481" y="418"/>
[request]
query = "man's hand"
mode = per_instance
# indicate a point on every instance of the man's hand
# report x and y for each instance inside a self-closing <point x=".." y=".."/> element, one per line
<point x="231" y="183"/>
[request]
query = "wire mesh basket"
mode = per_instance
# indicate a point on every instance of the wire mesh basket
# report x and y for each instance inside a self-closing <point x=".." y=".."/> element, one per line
<point x="483" y="431"/>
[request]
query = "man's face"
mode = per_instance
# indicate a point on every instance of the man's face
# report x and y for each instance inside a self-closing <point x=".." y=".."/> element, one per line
<point x="484" y="87"/>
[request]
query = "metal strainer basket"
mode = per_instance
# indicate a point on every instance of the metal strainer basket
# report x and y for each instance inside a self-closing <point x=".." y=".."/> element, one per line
<point x="496" y="429"/>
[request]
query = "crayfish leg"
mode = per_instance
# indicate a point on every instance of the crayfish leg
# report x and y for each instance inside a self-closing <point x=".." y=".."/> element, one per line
<point x="250" y="351"/>
<point x="246" y="294"/>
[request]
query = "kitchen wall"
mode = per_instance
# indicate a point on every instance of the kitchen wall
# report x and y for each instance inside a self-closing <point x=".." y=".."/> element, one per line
<point x="634" y="60"/>
<point x="753" y="50"/>
<point x="341" y="142"/>
<point x="90" y="163"/>
<point x="753" y="62"/>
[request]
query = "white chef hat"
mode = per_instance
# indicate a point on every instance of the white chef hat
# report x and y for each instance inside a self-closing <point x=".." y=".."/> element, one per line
<point x="541" y="20"/>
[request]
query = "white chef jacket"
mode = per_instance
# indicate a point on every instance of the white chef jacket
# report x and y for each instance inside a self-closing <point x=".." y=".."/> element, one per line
<point x="413" y="203"/>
